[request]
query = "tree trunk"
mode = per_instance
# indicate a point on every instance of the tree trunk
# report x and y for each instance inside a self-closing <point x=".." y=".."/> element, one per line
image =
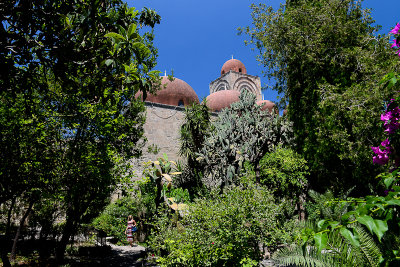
<point x="4" y="246"/>
<point x="8" y="226"/>
<point x="21" y="224"/>
<point x="67" y="233"/>
<point x="4" y="241"/>
<point x="300" y="206"/>
<point x="158" y="194"/>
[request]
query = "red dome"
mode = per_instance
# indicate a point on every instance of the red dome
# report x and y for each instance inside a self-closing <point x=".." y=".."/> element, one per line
<point x="176" y="93"/>
<point x="235" y="65"/>
<point x="222" y="99"/>
<point x="266" y="104"/>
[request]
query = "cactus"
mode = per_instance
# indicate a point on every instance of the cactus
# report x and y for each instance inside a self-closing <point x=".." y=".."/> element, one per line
<point x="161" y="173"/>
<point x="243" y="132"/>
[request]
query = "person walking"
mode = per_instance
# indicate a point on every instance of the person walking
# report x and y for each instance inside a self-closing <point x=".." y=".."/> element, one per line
<point x="130" y="229"/>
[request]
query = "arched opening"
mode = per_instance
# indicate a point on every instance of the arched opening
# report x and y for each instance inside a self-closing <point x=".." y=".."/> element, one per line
<point x="180" y="103"/>
<point x="240" y="70"/>
<point x="222" y="72"/>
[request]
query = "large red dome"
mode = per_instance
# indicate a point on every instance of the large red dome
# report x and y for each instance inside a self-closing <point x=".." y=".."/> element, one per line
<point x="235" y="65"/>
<point x="175" y="93"/>
<point x="266" y="104"/>
<point x="222" y="99"/>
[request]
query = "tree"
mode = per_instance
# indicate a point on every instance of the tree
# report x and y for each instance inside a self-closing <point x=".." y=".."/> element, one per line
<point x="243" y="132"/>
<point x="72" y="70"/>
<point x="196" y="128"/>
<point x="327" y="60"/>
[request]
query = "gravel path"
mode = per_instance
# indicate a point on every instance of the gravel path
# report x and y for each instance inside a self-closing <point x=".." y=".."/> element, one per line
<point x="125" y="256"/>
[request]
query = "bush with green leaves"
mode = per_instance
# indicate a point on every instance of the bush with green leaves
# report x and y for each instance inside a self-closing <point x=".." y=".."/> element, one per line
<point x="284" y="171"/>
<point x="113" y="219"/>
<point x="226" y="229"/>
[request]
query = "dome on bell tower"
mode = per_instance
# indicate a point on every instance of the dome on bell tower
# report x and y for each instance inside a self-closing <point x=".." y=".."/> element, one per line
<point x="235" y="65"/>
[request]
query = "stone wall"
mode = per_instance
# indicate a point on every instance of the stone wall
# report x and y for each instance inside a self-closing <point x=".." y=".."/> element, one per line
<point x="161" y="129"/>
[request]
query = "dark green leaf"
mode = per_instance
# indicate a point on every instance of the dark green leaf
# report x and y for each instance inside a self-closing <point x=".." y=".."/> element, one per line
<point x="346" y="233"/>
<point x="321" y="239"/>
<point x="378" y="227"/>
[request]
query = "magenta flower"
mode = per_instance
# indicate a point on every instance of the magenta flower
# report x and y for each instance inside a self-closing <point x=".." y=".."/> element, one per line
<point x="390" y="128"/>
<point x="395" y="44"/>
<point x="382" y="156"/>
<point x="387" y="116"/>
<point x="381" y="159"/>
<point x="396" y="29"/>
<point x="386" y="143"/>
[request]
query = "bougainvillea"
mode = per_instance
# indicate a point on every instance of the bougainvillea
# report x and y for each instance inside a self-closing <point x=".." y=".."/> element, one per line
<point x="396" y="41"/>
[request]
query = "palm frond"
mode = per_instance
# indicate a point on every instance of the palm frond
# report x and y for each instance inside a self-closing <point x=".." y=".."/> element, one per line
<point x="338" y="253"/>
<point x="368" y="246"/>
<point x="295" y="255"/>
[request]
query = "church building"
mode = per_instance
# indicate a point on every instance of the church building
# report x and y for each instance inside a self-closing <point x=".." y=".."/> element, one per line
<point x="165" y="110"/>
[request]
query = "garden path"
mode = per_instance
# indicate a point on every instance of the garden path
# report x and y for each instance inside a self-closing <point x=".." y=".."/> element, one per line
<point x="125" y="256"/>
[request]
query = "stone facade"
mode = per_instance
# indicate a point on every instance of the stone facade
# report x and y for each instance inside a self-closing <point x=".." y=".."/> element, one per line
<point x="161" y="129"/>
<point x="237" y="81"/>
<point x="164" y="119"/>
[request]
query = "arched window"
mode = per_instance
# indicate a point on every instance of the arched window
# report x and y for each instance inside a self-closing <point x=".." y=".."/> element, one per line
<point x="240" y="70"/>
<point x="180" y="103"/>
<point x="220" y="88"/>
<point x="223" y="72"/>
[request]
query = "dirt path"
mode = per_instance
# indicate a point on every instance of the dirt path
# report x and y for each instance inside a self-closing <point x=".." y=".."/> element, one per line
<point x="125" y="256"/>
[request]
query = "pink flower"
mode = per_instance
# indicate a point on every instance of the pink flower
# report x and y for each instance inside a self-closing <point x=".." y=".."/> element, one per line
<point x="390" y="128"/>
<point x="396" y="29"/>
<point x="380" y="159"/>
<point x="395" y="44"/>
<point x="382" y="156"/>
<point x="387" y="116"/>
<point x="212" y="243"/>
<point x="386" y="143"/>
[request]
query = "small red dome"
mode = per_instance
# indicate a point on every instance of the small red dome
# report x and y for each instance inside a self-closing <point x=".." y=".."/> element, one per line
<point x="222" y="99"/>
<point x="235" y="65"/>
<point x="266" y="104"/>
<point x="175" y="93"/>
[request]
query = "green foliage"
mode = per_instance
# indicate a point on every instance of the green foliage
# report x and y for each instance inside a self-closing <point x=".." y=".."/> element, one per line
<point x="333" y="249"/>
<point x="114" y="217"/>
<point x="377" y="214"/>
<point x="223" y="230"/>
<point x="243" y="132"/>
<point x="179" y="195"/>
<point x="195" y="129"/>
<point x="327" y="61"/>
<point x="70" y="119"/>
<point x="327" y="206"/>
<point x="284" y="172"/>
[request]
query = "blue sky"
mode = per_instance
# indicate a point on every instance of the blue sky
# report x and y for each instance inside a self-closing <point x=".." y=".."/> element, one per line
<point x="195" y="38"/>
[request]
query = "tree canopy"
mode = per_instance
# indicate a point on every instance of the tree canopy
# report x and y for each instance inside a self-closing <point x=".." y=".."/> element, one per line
<point x="67" y="106"/>
<point x="327" y="60"/>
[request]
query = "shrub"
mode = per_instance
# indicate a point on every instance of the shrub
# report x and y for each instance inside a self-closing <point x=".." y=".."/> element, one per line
<point x="113" y="219"/>
<point x="284" y="172"/>
<point x="224" y="230"/>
